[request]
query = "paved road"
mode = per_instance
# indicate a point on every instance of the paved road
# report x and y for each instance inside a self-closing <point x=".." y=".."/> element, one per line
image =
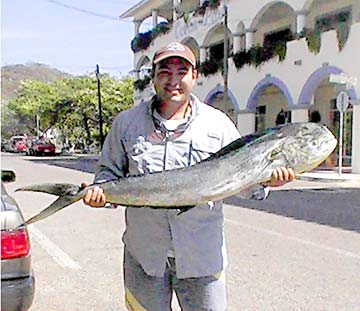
<point x="299" y="250"/>
<point x="335" y="207"/>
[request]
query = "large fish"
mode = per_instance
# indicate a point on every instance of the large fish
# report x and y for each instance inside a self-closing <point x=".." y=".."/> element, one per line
<point x="236" y="167"/>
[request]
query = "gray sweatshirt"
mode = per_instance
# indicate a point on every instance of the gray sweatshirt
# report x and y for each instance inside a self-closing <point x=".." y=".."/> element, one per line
<point x="139" y="143"/>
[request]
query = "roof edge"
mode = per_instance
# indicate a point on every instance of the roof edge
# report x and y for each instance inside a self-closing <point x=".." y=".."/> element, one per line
<point x="131" y="12"/>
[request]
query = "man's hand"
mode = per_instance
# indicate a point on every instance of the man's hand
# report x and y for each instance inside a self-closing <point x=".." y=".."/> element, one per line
<point x="281" y="176"/>
<point x="94" y="197"/>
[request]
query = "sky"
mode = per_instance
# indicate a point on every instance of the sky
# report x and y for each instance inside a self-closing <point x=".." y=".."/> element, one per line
<point x="70" y="35"/>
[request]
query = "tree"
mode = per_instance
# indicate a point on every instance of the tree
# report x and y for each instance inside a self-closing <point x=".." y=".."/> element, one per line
<point x="70" y="105"/>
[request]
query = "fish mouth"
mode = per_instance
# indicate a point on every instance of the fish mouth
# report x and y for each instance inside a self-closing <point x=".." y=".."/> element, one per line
<point x="332" y="143"/>
<point x="329" y="139"/>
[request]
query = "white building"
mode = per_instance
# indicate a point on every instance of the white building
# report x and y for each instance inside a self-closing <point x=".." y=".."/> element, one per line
<point x="313" y="38"/>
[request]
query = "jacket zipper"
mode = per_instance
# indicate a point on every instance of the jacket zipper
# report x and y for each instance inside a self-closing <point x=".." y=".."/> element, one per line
<point x="166" y="139"/>
<point x="190" y="152"/>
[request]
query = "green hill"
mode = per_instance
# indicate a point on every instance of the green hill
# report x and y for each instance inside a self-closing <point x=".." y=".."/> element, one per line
<point x="12" y="75"/>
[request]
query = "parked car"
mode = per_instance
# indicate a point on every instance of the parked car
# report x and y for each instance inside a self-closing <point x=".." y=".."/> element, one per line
<point x="17" y="277"/>
<point x="40" y="147"/>
<point x="16" y="144"/>
<point x="4" y="143"/>
<point x="20" y="146"/>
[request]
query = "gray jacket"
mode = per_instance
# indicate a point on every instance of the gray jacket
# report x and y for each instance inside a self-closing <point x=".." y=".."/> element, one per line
<point x="139" y="144"/>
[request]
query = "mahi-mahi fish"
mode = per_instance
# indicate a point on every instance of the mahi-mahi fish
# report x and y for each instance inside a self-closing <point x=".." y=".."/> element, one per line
<point x="236" y="167"/>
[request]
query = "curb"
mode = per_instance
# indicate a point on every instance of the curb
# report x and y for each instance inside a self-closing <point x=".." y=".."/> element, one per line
<point x="329" y="176"/>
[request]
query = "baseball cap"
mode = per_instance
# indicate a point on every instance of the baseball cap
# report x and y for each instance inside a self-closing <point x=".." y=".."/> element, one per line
<point x="175" y="49"/>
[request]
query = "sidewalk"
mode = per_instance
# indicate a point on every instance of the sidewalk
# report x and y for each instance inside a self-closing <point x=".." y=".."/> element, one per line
<point x="321" y="178"/>
<point x="331" y="175"/>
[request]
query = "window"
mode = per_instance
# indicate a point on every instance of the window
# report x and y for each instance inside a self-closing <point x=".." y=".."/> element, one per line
<point x="279" y="36"/>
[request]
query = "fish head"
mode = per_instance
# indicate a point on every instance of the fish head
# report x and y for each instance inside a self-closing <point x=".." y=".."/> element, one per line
<point x="303" y="146"/>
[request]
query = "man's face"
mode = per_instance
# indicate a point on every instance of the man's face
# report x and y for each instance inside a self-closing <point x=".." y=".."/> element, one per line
<point x="174" y="78"/>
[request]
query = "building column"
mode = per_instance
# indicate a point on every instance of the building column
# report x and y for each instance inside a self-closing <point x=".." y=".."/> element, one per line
<point x="203" y="53"/>
<point x="249" y="38"/>
<point x="137" y="74"/>
<point x="300" y="115"/>
<point x="246" y="123"/>
<point x="154" y="15"/>
<point x="300" y="20"/>
<point x="355" y="151"/>
<point x="237" y="42"/>
<point x="137" y="24"/>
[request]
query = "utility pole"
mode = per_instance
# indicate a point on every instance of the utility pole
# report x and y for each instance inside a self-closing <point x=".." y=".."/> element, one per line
<point x="100" y="108"/>
<point x="37" y="125"/>
<point x="226" y="50"/>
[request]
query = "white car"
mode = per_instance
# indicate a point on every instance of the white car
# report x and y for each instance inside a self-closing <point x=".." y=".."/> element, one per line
<point x="17" y="278"/>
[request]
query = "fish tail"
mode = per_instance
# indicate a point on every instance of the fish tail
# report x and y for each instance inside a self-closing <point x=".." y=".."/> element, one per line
<point x="67" y="193"/>
<point x="55" y="189"/>
<point x="54" y="207"/>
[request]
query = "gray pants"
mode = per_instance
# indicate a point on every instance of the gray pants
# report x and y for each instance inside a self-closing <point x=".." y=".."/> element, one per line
<point x="147" y="293"/>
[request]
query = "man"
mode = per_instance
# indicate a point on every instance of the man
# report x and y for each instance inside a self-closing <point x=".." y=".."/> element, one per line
<point x="280" y="118"/>
<point x="165" y="250"/>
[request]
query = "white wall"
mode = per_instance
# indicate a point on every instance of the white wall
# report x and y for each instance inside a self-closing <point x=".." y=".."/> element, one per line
<point x="242" y="83"/>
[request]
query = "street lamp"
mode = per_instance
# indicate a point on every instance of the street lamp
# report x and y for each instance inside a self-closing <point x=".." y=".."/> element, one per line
<point x="100" y="108"/>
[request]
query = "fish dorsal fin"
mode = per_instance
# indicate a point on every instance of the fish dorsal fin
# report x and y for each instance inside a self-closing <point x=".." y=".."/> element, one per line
<point x="240" y="142"/>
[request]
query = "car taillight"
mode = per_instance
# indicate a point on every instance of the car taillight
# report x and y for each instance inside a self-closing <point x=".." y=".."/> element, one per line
<point x="14" y="244"/>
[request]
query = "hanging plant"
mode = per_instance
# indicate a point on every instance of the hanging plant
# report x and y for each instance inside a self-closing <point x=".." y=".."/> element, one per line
<point x="241" y="59"/>
<point x="280" y="51"/>
<point x="313" y="39"/>
<point x="342" y="34"/>
<point x="186" y="17"/>
<point x="141" y="84"/>
<point x="267" y="53"/>
<point x="143" y="40"/>
<point x="256" y="55"/>
<point x="160" y="29"/>
<point x="213" y="4"/>
<point x="208" y="68"/>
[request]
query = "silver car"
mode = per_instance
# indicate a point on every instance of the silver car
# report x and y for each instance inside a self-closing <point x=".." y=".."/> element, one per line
<point x="17" y="279"/>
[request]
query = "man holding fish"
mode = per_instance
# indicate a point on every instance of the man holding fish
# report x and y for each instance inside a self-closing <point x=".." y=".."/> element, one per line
<point x="167" y="250"/>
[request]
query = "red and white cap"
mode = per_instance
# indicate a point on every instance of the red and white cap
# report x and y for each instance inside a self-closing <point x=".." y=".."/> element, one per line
<point x="175" y="49"/>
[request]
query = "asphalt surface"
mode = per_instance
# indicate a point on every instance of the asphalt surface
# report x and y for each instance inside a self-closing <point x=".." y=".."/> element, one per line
<point x="335" y="207"/>
<point x="83" y="163"/>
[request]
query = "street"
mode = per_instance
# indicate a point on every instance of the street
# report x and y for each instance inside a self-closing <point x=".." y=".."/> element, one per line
<point x="298" y="250"/>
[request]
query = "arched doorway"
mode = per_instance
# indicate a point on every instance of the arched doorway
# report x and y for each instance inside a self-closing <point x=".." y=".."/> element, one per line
<point x="193" y="45"/>
<point x="214" y="44"/>
<point x="215" y="98"/>
<point x="269" y="97"/>
<point x="320" y="94"/>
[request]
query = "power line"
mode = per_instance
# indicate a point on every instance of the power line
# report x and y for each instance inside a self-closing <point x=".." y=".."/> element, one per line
<point x="87" y="11"/>
<point x="115" y="67"/>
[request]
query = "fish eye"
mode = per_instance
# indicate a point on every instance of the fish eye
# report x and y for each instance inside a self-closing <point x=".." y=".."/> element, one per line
<point x="274" y="152"/>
